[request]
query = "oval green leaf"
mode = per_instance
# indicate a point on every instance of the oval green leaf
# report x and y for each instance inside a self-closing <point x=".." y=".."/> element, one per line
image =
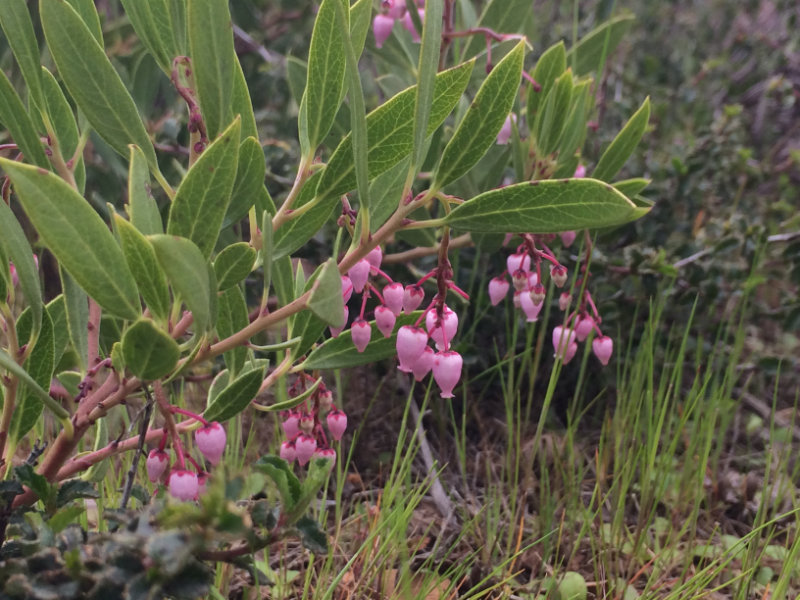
<point x="547" y="206"/>
<point x="142" y="207"/>
<point x="202" y="199"/>
<point x="552" y="118"/>
<point x="15" y="118"/>
<point x="624" y="144"/>
<point x="236" y="396"/>
<point x="326" y="295"/>
<point x="483" y="120"/>
<point x="78" y="238"/>
<point x="232" y="318"/>
<point x="188" y="272"/>
<point x="149" y="352"/>
<point x="64" y="125"/>
<point x="551" y="64"/>
<point x="233" y="264"/>
<point x="18" y="27"/>
<point x="249" y="184"/>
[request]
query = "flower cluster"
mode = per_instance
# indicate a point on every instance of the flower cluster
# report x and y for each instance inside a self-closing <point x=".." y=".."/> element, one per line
<point x="305" y="435"/>
<point x="183" y="483"/>
<point x="395" y="10"/>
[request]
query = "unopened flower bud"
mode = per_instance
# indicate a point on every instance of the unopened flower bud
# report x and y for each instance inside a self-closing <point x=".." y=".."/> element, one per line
<point x="408" y="24"/>
<point x="157" y="463"/>
<point x="335" y="331"/>
<point x="505" y="132"/>
<point x="325" y="401"/>
<point x="287" y="451"/>
<point x="360" y="332"/>
<point x="538" y="294"/>
<point x="520" y="280"/>
<point x="393" y="297"/>
<point x="291" y="425"/>
<point x="517" y="301"/>
<point x="603" y="347"/>
<point x="183" y="485"/>
<point x="385" y="320"/>
<point x="382" y="29"/>
<point x="359" y="273"/>
<point x="563" y="301"/>
<point x="515" y="262"/>
<point x="584" y="327"/>
<point x="567" y="237"/>
<point x="558" y="274"/>
<point x="498" y="288"/>
<point x="424" y="364"/>
<point x="447" y="371"/>
<point x="211" y="441"/>
<point x="347" y="288"/>
<point x="412" y="298"/>
<point x="562" y="338"/>
<point x="580" y="171"/>
<point x="328" y="454"/>
<point x="304" y="447"/>
<point x="375" y="257"/>
<point x="337" y="424"/>
<point x="530" y="309"/>
<point x="411" y="342"/>
<point x="306" y="423"/>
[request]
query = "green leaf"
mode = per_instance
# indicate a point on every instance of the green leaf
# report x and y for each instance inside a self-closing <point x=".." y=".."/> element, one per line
<point x="18" y="27"/>
<point x="549" y="206"/>
<point x="311" y="535"/>
<point x="360" y="19"/>
<point x="249" y="184"/>
<point x="78" y="238"/>
<point x="232" y="318"/>
<point x="286" y="481"/>
<point x="152" y="21"/>
<point x="326" y="72"/>
<point x="551" y="64"/>
<point x="385" y="192"/>
<point x="76" y="305"/>
<point x="15" y="248"/>
<point x="624" y="144"/>
<point x="233" y="264"/>
<point x="75" y="489"/>
<point x="236" y="396"/>
<point x="483" y="120"/>
<point x="390" y="131"/>
<point x="593" y="49"/>
<point x="187" y="271"/>
<point x="241" y="103"/>
<point x="326" y="295"/>
<point x="142" y="207"/>
<point x="211" y="46"/>
<point x="8" y="363"/>
<point x="204" y="194"/>
<point x="64" y="517"/>
<point x="631" y="187"/>
<point x="504" y="16"/>
<point x="551" y="119"/>
<point x="429" y="57"/>
<point x="294" y="233"/>
<point x="575" y="128"/>
<point x="339" y="352"/>
<point x="57" y="310"/>
<point x="142" y="262"/>
<point x="38" y="483"/>
<point x="15" y="118"/>
<point x="88" y="14"/>
<point x="39" y="365"/>
<point x="149" y="352"/>
<point x="64" y="125"/>
<point x="91" y="80"/>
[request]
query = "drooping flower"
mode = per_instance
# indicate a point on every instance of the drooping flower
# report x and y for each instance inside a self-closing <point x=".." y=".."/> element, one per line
<point x="529" y="307"/>
<point x="498" y="288"/>
<point x="441" y="330"/>
<point x="347" y="288"/>
<point x="408" y="24"/>
<point x="211" y="441"/>
<point x="291" y="425"/>
<point x="359" y="273"/>
<point x="584" y="327"/>
<point x="156" y="463"/>
<point x="335" y="331"/>
<point x="385" y="320"/>
<point x="411" y="343"/>
<point x="375" y="257"/>
<point x="360" y="332"/>
<point x="562" y="338"/>
<point x="505" y="132"/>
<point x="412" y="298"/>
<point x="183" y="485"/>
<point x="447" y="371"/>
<point x="382" y="28"/>
<point x="393" y="297"/>
<point x="287" y="451"/>
<point x="337" y="424"/>
<point x="424" y="363"/>
<point x="515" y="262"/>
<point x="603" y="347"/>
<point x="567" y="237"/>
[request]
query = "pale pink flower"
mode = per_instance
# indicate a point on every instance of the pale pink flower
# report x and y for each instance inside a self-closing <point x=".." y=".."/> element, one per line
<point x="498" y="288"/>
<point x="382" y="28"/>
<point x="411" y="343"/>
<point x="412" y="298"/>
<point x="424" y="363"/>
<point x="603" y="347"/>
<point x="584" y="327"/>
<point x="156" y="463"/>
<point x="359" y="273"/>
<point x="447" y="371"/>
<point x="211" y="441"/>
<point x="393" y="297"/>
<point x="183" y="485"/>
<point x="304" y="447"/>
<point x="408" y="24"/>
<point x="337" y="424"/>
<point x="385" y="320"/>
<point x="515" y="262"/>
<point x="567" y="237"/>
<point x="360" y="332"/>
<point x="505" y="132"/>
<point x="562" y="338"/>
<point x="287" y="451"/>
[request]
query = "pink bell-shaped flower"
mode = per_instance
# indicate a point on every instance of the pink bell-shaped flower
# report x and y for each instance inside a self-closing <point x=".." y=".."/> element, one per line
<point x="291" y="425"/>
<point x="382" y="29"/>
<point x="408" y="24"/>
<point x="395" y="8"/>
<point x="562" y="338"/>
<point x="359" y="273"/>
<point x="337" y="424"/>
<point x="335" y="331"/>
<point x="567" y="237"/>
<point x="361" y="332"/>
<point x="287" y="451"/>
<point x="516" y="262"/>
<point x="584" y="327"/>
<point x="375" y="257"/>
<point x="347" y="288"/>
<point x="580" y="171"/>
<point x="563" y="300"/>
<point x="528" y="306"/>
<point x="202" y="484"/>
<point x="521" y="280"/>
<point x="412" y="298"/>
<point x="156" y="463"/>
<point x="183" y="485"/>
<point x="441" y="330"/>
<point x="328" y="454"/>
<point x="447" y="371"/>
<point x="603" y="347"/>
<point x="424" y="363"/>
<point x="385" y="320"/>
<point x="498" y="288"/>
<point x="505" y="131"/>
<point x="411" y="343"/>
<point x="571" y="350"/>
<point x="211" y="441"/>
<point x="393" y="297"/>
<point x="304" y="447"/>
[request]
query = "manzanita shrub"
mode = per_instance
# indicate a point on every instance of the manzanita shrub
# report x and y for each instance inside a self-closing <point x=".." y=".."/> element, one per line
<point x="190" y="269"/>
